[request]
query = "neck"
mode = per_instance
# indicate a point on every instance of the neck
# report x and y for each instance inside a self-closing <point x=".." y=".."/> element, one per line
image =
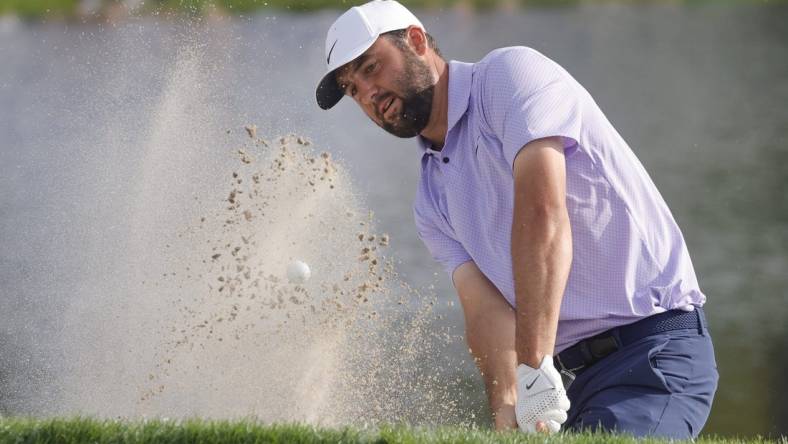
<point x="435" y="131"/>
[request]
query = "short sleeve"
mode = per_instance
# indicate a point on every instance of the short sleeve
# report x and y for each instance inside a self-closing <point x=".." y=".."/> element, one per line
<point x="526" y="97"/>
<point x="443" y="248"/>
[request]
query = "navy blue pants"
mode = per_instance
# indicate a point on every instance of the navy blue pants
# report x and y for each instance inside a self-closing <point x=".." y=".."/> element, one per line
<point x="661" y="385"/>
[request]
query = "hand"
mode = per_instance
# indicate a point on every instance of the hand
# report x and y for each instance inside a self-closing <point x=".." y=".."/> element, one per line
<point x="541" y="399"/>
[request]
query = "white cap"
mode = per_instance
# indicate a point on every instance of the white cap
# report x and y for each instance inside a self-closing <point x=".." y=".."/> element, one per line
<point x="352" y="34"/>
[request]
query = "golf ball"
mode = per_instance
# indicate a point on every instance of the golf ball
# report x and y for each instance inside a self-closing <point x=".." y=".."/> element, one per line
<point x="298" y="272"/>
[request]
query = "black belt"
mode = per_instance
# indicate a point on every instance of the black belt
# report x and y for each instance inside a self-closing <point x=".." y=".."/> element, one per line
<point x="588" y="351"/>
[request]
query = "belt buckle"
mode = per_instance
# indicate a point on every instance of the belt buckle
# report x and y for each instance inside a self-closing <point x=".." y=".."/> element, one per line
<point x="567" y="378"/>
<point x="567" y="374"/>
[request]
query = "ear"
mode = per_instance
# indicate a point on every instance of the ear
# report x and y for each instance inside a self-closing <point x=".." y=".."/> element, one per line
<point x="417" y="39"/>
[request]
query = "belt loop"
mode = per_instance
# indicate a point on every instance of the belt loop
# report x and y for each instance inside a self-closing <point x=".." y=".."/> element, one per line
<point x="703" y="327"/>
<point x="586" y="352"/>
<point x="616" y="333"/>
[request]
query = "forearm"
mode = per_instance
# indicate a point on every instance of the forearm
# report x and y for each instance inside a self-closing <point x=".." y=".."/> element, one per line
<point x="490" y="338"/>
<point x="541" y="259"/>
<point x="489" y="332"/>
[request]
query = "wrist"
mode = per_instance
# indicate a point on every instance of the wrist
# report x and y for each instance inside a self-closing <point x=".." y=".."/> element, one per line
<point x="536" y="342"/>
<point x="532" y="359"/>
<point x="526" y="371"/>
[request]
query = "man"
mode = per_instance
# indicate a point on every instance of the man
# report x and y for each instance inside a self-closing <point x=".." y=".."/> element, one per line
<point x="554" y="236"/>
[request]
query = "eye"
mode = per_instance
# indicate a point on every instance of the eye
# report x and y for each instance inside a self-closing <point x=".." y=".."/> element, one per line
<point x="370" y="68"/>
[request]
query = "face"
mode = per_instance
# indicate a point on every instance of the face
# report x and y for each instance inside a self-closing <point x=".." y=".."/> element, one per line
<point x="392" y="85"/>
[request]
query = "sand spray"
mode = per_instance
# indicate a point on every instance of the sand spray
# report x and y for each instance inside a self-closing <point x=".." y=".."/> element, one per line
<point x="197" y="318"/>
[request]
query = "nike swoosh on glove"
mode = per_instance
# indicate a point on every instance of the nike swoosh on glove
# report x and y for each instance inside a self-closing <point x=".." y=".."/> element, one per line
<point x="540" y="397"/>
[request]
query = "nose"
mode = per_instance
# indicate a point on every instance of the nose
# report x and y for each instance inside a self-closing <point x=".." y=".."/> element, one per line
<point x="367" y="92"/>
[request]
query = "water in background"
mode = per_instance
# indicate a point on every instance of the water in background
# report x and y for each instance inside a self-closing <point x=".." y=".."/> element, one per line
<point x="699" y="93"/>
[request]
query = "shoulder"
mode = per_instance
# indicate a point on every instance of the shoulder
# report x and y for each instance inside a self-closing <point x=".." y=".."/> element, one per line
<point x="514" y="73"/>
<point x="508" y="77"/>
<point x="510" y="54"/>
<point x="517" y="64"/>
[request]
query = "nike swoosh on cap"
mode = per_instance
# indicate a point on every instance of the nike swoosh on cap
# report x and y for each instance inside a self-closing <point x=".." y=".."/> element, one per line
<point x="328" y="59"/>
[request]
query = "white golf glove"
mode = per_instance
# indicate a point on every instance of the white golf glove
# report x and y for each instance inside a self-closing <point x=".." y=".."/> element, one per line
<point x="540" y="397"/>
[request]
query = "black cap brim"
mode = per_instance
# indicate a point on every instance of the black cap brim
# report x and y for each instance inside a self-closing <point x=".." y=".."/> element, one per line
<point x="328" y="92"/>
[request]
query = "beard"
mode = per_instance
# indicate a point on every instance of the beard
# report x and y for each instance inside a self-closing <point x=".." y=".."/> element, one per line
<point x="417" y="88"/>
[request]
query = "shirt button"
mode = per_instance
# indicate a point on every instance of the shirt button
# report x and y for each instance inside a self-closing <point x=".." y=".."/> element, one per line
<point x="445" y="160"/>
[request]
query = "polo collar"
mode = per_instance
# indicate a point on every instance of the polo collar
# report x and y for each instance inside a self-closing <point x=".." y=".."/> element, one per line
<point x="459" y="91"/>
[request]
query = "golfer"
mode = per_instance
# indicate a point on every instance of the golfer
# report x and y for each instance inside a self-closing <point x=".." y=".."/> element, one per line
<point x="581" y="304"/>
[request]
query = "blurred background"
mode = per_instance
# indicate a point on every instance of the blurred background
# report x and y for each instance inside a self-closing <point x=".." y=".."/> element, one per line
<point x="699" y="89"/>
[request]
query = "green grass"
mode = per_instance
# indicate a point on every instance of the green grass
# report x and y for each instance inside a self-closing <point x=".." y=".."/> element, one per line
<point x="38" y="8"/>
<point x="84" y="430"/>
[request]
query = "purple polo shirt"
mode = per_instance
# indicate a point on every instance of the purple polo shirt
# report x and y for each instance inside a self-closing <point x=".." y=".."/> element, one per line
<point x="629" y="257"/>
